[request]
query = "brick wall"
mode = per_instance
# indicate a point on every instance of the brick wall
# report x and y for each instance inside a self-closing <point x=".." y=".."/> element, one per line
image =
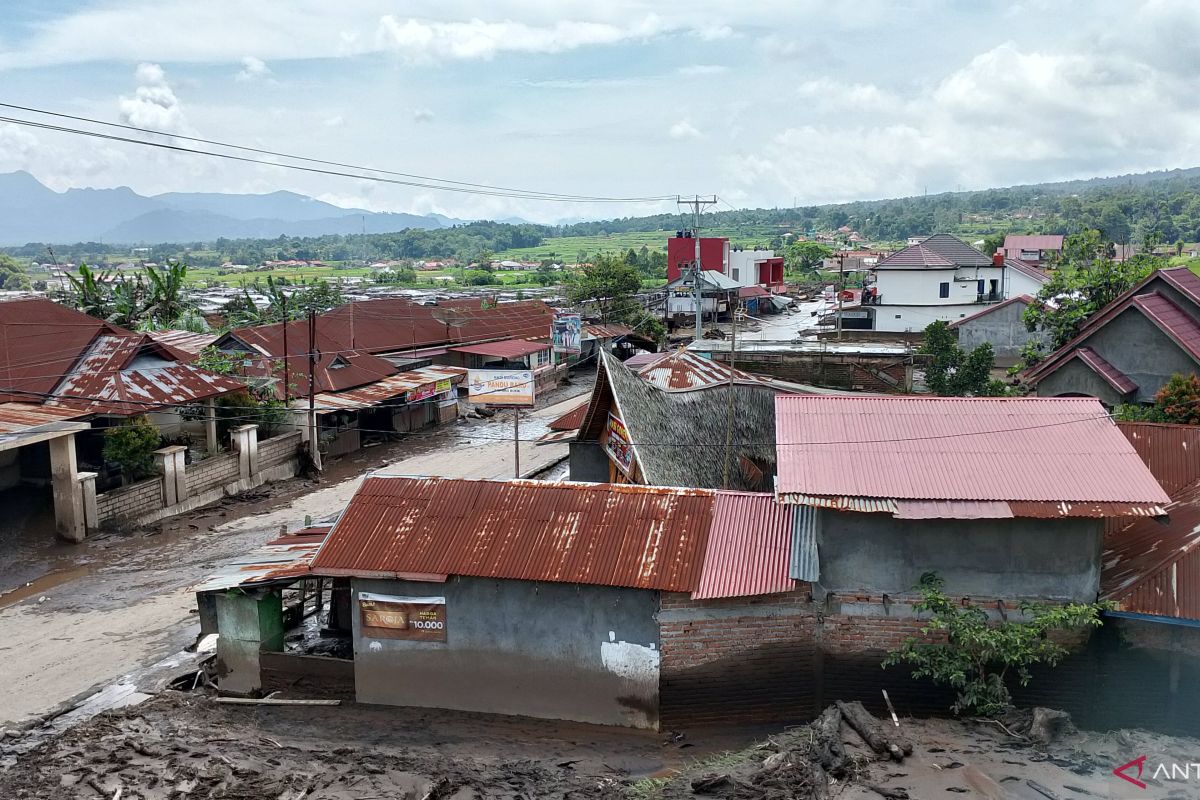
<point x="278" y="449"/>
<point x="830" y="370"/>
<point x="212" y="473"/>
<point x="130" y="502"/>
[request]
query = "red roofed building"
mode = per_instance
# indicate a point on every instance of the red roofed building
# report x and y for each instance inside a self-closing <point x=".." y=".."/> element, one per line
<point x="1036" y="250"/>
<point x="1128" y="350"/>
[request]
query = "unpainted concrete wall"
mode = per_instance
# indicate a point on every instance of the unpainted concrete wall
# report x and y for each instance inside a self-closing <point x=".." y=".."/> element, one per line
<point x="1021" y="558"/>
<point x="1003" y="329"/>
<point x="1074" y="378"/>
<point x="1135" y="346"/>
<point x="550" y="650"/>
<point x="588" y="462"/>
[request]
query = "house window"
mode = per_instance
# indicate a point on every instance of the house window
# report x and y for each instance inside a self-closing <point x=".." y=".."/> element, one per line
<point x="897" y="316"/>
<point x="735" y="273"/>
<point x="944" y="289"/>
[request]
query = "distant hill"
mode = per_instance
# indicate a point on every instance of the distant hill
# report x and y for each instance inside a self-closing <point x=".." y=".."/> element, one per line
<point x="32" y="212"/>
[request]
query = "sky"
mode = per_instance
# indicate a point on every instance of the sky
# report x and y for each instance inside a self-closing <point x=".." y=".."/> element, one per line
<point x="766" y="103"/>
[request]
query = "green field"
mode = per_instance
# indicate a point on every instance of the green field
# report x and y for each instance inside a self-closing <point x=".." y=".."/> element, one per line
<point x="567" y="249"/>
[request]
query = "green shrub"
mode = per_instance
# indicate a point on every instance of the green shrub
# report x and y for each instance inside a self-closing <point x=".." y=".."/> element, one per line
<point x="131" y="445"/>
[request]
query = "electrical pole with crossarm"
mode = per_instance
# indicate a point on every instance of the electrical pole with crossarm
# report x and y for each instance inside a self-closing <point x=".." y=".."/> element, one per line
<point x="697" y="204"/>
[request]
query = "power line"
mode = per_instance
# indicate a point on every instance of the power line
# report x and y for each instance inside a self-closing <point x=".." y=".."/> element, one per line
<point x="476" y="189"/>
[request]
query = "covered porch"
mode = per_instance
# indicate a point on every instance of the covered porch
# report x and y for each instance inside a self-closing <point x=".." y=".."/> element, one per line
<point x="37" y="453"/>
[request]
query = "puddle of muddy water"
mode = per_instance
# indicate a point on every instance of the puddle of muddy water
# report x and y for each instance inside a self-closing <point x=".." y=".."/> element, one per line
<point x="38" y="586"/>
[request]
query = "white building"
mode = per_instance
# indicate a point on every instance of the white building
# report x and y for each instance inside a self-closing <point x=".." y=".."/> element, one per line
<point x="940" y="277"/>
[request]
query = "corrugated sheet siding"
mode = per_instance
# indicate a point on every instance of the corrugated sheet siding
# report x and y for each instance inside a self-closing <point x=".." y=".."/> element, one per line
<point x="806" y="563"/>
<point x="1172" y="452"/>
<point x="748" y="547"/>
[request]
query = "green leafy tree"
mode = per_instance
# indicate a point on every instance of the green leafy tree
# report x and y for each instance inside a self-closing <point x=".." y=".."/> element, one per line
<point x="12" y="275"/>
<point x="89" y="292"/>
<point x="166" y="293"/>
<point x="992" y="242"/>
<point x="1178" y="402"/>
<point x="606" y="284"/>
<point x="1086" y="279"/>
<point x="962" y="647"/>
<point x="805" y="257"/>
<point x="131" y="446"/>
<point x="952" y="372"/>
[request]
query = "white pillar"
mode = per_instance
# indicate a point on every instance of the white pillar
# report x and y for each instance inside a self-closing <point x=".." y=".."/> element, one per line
<point x="87" y="488"/>
<point x="68" y="498"/>
<point x="170" y="463"/>
<point x="245" y="442"/>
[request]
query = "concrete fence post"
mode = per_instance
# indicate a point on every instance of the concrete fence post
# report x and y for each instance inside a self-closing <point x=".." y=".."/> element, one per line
<point x="245" y="442"/>
<point x="68" y="500"/>
<point x="170" y="464"/>
<point x="87" y="487"/>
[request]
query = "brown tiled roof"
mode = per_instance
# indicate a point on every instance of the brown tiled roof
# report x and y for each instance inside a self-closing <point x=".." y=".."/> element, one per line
<point x="915" y="256"/>
<point x="1114" y="377"/>
<point x="956" y="250"/>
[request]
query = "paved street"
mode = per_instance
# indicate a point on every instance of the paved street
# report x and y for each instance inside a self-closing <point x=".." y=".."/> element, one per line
<point x="126" y="600"/>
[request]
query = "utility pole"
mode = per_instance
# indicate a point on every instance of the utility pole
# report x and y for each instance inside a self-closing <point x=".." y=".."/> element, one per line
<point x="517" y="441"/>
<point x="314" y="450"/>
<point x="287" y="377"/>
<point x="697" y="203"/>
<point x="841" y="288"/>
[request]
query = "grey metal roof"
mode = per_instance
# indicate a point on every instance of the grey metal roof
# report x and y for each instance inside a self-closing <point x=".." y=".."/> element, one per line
<point x="956" y="250"/>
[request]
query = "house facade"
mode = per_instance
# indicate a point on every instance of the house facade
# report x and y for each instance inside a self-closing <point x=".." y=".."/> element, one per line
<point x="1036" y="250"/>
<point x="1002" y="326"/>
<point x="1129" y="350"/>
<point x="753" y="267"/>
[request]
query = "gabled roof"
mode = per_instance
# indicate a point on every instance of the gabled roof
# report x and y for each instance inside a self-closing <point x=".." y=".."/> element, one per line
<point x="393" y="386"/>
<point x="1028" y="270"/>
<point x="956" y="250"/>
<point x="915" y="256"/>
<point x="604" y="534"/>
<point x="752" y="291"/>
<point x="678" y="437"/>
<point x="1163" y="312"/>
<point x="958" y="457"/>
<point x="1023" y="299"/>
<point x="506" y="348"/>
<point x="1118" y="380"/>
<point x="185" y="342"/>
<point x="40" y="341"/>
<point x="126" y="375"/>
<point x="1039" y="241"/>
<point x="572" y="420"/>
<point x="683" y="371"/>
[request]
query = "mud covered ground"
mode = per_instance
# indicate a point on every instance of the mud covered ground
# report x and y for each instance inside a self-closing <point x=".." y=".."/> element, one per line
<point x="186" y="746"/>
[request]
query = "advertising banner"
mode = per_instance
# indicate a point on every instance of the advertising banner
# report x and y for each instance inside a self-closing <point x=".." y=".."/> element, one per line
<point x="428" y="390"/>
<point x="618" y="444"/>
<point x="566" y="331"/>
<point x="384" y="616"/>
<point x="500" y="387"/>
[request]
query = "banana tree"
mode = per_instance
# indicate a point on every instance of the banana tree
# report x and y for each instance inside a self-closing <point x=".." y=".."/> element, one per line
<point x="90" y="292"/>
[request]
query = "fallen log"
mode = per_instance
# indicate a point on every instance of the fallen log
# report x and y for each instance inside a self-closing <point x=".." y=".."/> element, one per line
<point x="890" y="794"/>
<point x="827" y="742"/>
<point x="874" y="734"/>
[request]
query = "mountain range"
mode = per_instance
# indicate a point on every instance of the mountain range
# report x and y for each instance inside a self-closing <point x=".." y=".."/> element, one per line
<point x="32" y="212"/>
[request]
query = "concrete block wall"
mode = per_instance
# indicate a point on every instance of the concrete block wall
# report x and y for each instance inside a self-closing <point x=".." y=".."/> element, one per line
<point x="212" y="473"/>
<point x="130" y="502"/>
<point x="278" y="449"/>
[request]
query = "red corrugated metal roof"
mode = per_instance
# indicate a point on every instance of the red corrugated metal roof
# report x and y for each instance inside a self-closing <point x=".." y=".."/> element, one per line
<point x="508" y="348"/>
<point x="184" y="341"/>
<point x="24" y="417"/>
<point x="641" y="358"/>
<point x="388" y="388"/>
<point x="1151" y="568"/>
<point x="1060" y="451"/>
<point x="606" y="331"/>
<point x="40" y="341"/>
<point x="573" y="419"/>
<point x="611" y="535"/>
<point x="1112" y="376"/>
<point x="1171" y="452"/>
<point x="749" y="547"/>
<point x="685" y="371"/>
<point x="129" y="375"/>
<point x="753" y="291"/>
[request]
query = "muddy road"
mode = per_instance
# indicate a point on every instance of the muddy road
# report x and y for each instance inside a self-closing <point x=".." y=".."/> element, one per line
<point x="76" y="617"/>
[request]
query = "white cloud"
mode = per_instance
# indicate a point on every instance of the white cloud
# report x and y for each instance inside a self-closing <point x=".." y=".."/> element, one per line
<point x="422" y="42"/>
<point x="422" y="115"/>
<point x="1009" y="116"/>
<point x="253" y="69"/>
<point x="335" y="121"/>
<point x="683" y="130"/>
<point x="702" y="69"/>
<point x="153" y="104"/>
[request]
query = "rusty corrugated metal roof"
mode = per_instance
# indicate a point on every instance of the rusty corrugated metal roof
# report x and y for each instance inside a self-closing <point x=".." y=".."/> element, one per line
<point x="749" y="547"/>
<point x="393" y="386"/>
<point x="286" y="558"/>
<point x="1172" y="452"/>
<point x="27" y="417"/>
<point x="129" y="375"/>
<point x="573" y="419"/>
<point x="598" y="330"/>
<point x="507" y="348"/>
<point x="686" y="371"/>
<point x="1151" y="568"/>
<point x="184" y="341"/>
<point x="610" y="535"/>
<point x="1061" y="452"/>
<point x="40" y="341"/>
